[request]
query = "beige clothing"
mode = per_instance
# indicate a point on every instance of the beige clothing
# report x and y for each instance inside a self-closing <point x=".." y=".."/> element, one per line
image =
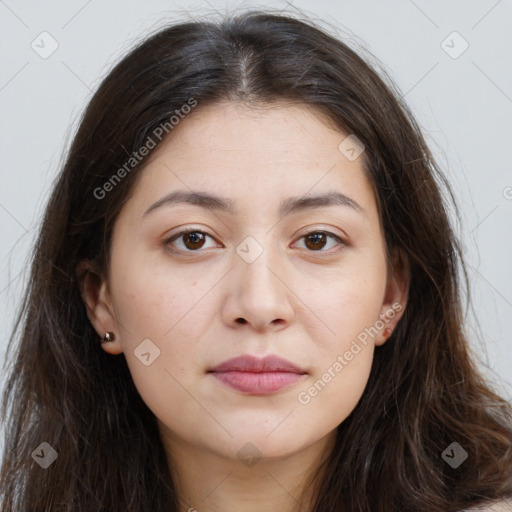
<point x="502" y="506"/>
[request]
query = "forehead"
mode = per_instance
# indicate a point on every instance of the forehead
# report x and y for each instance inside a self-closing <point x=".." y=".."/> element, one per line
<point x="274" y="130"/>
<point x="255" y="156"/>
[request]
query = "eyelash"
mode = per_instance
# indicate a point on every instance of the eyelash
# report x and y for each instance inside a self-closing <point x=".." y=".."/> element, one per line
<point x="176" y="236"/>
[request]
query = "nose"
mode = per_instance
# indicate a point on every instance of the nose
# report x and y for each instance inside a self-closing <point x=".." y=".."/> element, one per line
<point x="258" y="295"/>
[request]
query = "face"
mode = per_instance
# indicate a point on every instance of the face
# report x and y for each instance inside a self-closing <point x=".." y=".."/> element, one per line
<point x="264" y="269"/>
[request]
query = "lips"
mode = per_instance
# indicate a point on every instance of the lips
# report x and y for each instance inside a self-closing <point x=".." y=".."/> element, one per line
<point x="251" y="375"/>
<point x="253" y="364"/>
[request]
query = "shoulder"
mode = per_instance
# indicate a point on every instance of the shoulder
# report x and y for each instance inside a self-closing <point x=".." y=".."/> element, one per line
<point x="498" y="506"/>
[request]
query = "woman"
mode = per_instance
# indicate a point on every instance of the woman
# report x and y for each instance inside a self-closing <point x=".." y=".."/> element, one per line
<point x="251" y="216"/>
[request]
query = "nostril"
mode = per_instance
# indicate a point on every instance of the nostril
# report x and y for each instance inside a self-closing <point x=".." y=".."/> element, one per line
<point x="240" y="320"/>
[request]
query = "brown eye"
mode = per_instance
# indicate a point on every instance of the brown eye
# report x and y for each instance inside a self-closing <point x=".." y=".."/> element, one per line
<point x="194" y="240"/>
<point x="191" y="240"/>
<point x="317" y="240"/>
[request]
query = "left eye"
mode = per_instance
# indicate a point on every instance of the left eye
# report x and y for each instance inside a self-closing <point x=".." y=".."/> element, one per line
<point x="318" y="239"/>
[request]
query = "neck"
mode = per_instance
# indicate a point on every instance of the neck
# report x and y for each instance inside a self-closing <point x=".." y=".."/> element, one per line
<point x="206" y="481"/>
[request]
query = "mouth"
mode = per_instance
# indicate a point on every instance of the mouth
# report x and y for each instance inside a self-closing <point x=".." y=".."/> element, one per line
<point x="254" y="376"/>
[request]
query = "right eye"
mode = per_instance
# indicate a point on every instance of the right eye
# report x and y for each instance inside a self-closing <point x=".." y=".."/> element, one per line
<point x="191" y="240"/>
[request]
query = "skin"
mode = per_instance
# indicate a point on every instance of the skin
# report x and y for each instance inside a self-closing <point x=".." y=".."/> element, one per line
<point x="300" y="300"/>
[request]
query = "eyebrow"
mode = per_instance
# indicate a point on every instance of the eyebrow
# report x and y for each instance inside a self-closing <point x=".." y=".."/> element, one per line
<point x="223" y="204"/>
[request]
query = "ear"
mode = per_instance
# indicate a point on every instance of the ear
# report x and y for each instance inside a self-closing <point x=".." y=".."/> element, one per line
<point x="95" y="295"/>
<point x="395" y="296"/>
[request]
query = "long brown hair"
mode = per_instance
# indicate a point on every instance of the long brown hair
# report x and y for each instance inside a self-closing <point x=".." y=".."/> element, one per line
<point x="424" y="392"/>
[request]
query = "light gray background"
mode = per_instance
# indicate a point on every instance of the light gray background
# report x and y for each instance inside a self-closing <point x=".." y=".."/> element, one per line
<point x="464" y="105"/>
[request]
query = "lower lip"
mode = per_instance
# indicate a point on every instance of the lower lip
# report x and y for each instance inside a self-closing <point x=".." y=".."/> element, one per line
<point x="257" y="383"/>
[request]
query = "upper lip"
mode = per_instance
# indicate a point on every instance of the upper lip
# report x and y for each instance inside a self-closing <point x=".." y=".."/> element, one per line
<point x="247" y="363"/>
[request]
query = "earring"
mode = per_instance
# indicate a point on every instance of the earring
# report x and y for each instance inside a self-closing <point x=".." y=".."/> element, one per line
<point x="109" y="336"/>
<point x="386" y="333"/>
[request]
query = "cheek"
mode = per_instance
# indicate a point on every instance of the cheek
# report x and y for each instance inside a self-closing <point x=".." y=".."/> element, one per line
<point x="342" y="366"/>
<point x="343" y="335"/>
<point x="347" y="305"/>
<point x="153" y="299"/>
<point x="149" y="306"/>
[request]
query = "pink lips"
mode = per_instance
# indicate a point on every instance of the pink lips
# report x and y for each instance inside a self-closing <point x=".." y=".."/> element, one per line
<point x="257" y="376"/>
